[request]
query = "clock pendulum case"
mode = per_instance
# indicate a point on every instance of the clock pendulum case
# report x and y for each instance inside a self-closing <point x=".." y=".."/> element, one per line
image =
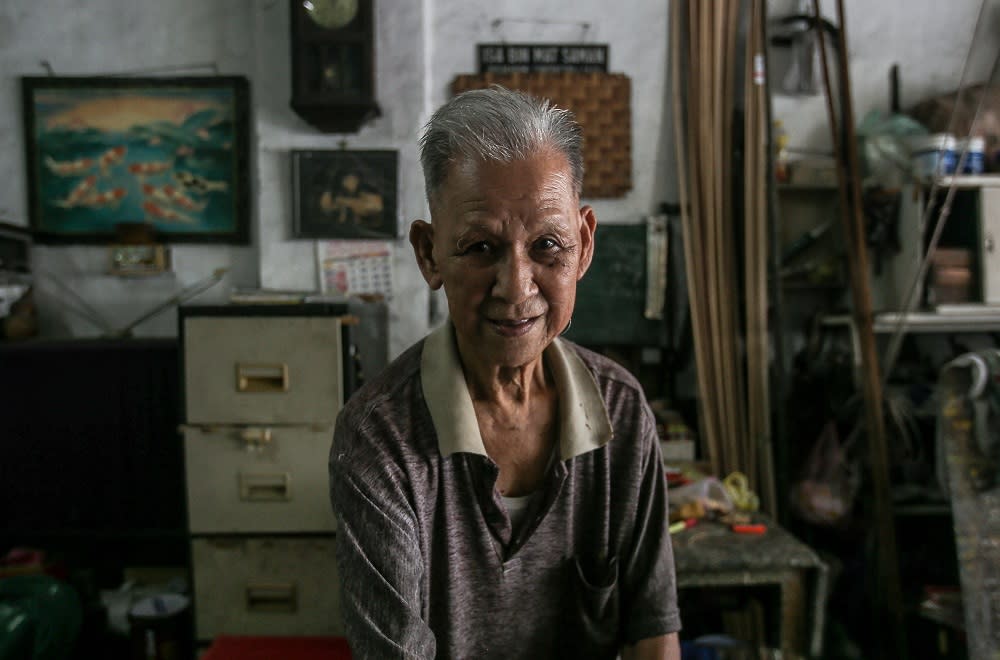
<point x="333" y="63"/>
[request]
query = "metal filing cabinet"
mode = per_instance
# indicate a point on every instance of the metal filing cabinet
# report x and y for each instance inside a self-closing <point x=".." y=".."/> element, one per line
<point x="262" y="389"/>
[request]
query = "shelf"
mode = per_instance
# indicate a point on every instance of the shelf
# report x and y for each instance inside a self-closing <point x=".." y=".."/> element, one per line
<point x="970" y="181"/>
<point x="973" y="318"/>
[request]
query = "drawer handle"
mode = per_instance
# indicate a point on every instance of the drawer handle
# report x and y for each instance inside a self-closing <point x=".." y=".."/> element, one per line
<point x="274" y="487"/>
<point x="271" y="597"/>
<point x="261" y="377"/>
<point x="255" y="438"/>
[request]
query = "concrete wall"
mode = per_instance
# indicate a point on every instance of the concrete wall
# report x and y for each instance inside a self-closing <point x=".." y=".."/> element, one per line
<point x="421" y="46"/>
<point x="929" y="40"/>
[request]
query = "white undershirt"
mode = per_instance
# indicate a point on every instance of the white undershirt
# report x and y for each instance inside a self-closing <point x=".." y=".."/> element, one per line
<point x="516" y="508"/>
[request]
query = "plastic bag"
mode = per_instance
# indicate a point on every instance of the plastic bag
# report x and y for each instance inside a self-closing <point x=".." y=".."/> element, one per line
<point x="708" y="491"/>
<point x="825" y="494"/>
<point x="883" y="145"/>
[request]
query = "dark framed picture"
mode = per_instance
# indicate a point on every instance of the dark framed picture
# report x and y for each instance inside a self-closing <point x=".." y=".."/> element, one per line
<point x="344" y="194"/>
<point x="173" y="153"/>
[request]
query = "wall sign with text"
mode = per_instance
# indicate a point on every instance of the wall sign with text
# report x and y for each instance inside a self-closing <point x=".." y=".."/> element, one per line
<point x="542" y="58"/>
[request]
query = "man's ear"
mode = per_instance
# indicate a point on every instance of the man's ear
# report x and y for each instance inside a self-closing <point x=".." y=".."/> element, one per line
<point x="422" y="240"/>
<point x="588" y="227"/>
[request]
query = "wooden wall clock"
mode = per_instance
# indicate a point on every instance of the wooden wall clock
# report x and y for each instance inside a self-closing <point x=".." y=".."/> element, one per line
<point x="333" y="63"/>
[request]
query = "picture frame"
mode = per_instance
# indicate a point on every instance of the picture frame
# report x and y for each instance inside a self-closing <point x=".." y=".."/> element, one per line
<point x="344" y="194"/>
<point x="170" y="152"/>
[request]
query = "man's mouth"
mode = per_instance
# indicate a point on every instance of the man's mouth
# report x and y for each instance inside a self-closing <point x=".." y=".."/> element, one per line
<point x="513" y="327"/>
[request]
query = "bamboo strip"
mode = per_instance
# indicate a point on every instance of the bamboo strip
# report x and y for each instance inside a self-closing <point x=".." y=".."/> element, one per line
<point x="762" y="443"/>
<point x="751" y="249"/>
<point x="705" y="121"/>
<point x="732" y="402"/>
<point x="735" y="378"/>
<point x="723" y="230"/>
<point x="757" y="328"/>
<point x="738" y="374"/>
<point x="707" y="195"/>
<point x="690" y="207"/>
<point x="719" y="294"/>
<point x="750" y="192"/>
<point x="776" y="450"/>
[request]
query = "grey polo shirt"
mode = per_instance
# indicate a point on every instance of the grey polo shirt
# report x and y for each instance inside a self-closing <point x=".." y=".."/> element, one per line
<point x="428" y="560"/>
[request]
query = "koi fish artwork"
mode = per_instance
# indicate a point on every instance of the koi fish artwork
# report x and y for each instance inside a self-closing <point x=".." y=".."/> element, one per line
<point x="198" y="184"/>
<point x="98" y="199"/>
<point x="69" y="167"/>
<point x="149" y="168"/>
<point x="111" y="157"/>
<point x="79" y="193"/>
<point x="157" y="212"/>
<point x="171" y="195"/>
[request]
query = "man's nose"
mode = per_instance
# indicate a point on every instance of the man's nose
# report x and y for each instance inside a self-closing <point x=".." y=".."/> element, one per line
<point x="515" y="281"/>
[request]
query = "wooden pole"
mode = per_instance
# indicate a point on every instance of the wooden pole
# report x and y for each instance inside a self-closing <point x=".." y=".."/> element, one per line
<point x="887" y="558"/>
<point x="758" y="450"/>
<point x="735" y="375"/>
<point x="885" y="592"/>
<point x="779" y="480"/>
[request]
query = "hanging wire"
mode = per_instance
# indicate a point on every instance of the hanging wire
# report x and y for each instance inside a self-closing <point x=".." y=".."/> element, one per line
<point x="76" y="302"/>
<point x="584" y="26"/>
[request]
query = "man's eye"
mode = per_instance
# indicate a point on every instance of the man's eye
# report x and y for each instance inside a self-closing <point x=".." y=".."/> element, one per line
<point x="482" y="247"/>
<point x="546" y="245"/>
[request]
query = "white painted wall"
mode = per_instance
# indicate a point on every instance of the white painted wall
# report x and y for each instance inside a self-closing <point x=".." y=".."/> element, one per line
<point x="421" y="46"/>
<point x="929" y="40"/>
<point x="112" y="37"/>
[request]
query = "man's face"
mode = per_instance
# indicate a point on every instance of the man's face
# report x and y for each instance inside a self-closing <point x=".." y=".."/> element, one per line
<point x="509" y="243"/>
<point x="350" y="183"/>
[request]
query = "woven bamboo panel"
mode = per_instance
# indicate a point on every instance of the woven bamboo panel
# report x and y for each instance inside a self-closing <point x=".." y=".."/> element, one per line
<point x="602" y="105"/>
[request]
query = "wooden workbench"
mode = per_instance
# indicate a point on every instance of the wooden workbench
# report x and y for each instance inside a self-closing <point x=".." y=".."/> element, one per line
<point x="710" y="555"/>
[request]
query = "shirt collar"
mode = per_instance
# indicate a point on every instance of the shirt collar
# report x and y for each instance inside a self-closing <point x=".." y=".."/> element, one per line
<point x="584" y="423"/>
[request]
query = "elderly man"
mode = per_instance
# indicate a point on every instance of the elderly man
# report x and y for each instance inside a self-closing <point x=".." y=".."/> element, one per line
<point x="499" y="490"/>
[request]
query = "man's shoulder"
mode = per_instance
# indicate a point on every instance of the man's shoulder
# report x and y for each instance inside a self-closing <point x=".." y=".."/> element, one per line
<point x="610" y="375"/>
<point x="624" y="401"/>
<point x="385" y="426"/>
<point x="388" y="387"/>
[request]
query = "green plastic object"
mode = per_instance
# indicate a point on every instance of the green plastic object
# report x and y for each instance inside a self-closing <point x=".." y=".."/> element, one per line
<point x="882" y="141"/>
<point x="40" y="618"/>
<point x="17" y="633"/>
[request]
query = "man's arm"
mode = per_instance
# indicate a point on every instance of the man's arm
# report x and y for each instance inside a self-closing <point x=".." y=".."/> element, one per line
<point x="649" y="588"/>
<point x="664" y="647"/>
<point x="378" y="557"/>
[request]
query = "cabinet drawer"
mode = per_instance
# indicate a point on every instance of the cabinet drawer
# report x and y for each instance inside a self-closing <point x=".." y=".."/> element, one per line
<point x="265" y="586"/>
<point x="258" y="479"/>
<point x="260" y="369"/>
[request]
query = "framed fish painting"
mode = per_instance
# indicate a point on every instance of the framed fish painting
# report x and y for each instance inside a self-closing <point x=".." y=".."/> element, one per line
<point x="172" y="153"/>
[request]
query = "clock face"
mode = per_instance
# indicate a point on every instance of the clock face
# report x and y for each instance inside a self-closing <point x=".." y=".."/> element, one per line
<point x="331" y="14"/>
